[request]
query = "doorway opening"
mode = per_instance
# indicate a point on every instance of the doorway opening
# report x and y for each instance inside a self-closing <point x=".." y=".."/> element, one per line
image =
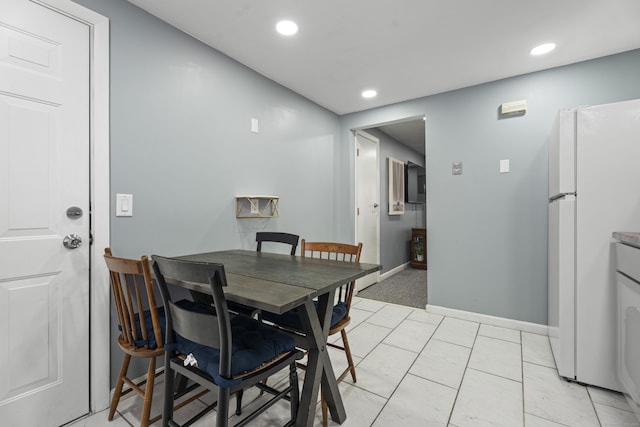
<point x="403" y="140"/>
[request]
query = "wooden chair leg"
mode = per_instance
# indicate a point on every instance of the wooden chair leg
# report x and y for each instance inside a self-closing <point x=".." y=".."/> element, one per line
<point x="118" y="391"/>
<point x="325" y="412"/>
<point x="148" y="393"/>
<point x="347" y="350"/>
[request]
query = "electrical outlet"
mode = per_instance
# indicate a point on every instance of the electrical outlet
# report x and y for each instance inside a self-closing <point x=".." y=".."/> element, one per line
<point x="255" y="206"/>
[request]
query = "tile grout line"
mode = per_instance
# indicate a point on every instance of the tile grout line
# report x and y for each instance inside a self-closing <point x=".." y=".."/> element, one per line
<point x="370" y="351"/>
<point x="464" y="373"/>
<point x="593" y="405"/>
<point x="406" y="372"/>
<point x="124" y="418"/>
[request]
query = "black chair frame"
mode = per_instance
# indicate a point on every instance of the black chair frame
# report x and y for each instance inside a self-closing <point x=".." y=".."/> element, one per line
<point x="277" y="237"/>
<point x="213" y="331"/>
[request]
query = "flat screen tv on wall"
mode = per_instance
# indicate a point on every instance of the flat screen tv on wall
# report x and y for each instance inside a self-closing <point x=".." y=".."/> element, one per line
<point x="415" y="185"/>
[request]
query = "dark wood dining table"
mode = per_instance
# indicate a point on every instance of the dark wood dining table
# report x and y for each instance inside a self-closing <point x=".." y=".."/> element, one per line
<point x="279" y="283"/>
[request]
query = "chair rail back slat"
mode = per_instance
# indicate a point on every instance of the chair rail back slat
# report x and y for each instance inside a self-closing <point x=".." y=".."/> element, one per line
<point x="195" y="326"/>
<point x="331" y="250"/>
<point x="198" y="327"/>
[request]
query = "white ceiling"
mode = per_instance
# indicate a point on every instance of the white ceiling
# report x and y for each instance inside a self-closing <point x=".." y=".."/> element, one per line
<point x="405" y="49"/>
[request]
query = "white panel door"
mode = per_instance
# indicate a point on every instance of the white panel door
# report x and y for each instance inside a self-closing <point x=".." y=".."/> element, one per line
<point x="44" y="159"/>
<point x="367" y="204"/>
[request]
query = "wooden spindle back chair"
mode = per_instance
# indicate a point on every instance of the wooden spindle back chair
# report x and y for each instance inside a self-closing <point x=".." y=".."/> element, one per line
<point x="344" y="294"/>
<point x="141" y="325"/>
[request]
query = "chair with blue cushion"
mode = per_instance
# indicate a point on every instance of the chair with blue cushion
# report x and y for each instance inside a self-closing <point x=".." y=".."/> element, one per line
<point x="340" y="317"/>
<point x="263" y="237"/>
<point x="141" y="324"/>
<point x="223" y="353"/>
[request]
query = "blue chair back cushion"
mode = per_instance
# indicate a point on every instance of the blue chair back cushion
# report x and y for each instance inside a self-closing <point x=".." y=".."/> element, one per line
<point x="151" y="337"/>
<point x="291" y="319"/>
<point x="253" y="345"/>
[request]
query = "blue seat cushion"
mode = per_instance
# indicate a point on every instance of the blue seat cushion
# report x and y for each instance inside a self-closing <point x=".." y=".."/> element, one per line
<point x="253" y="345"/>
<point x="291" y="319"/>
<point x="151" y="337"/>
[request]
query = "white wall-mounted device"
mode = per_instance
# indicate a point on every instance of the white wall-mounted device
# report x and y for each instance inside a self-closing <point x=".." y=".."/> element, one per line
<point x="514" y="108"/>
<point x="504" y="166"/>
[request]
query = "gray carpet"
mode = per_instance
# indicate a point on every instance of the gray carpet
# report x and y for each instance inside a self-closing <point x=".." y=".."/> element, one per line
<point x="407" y="287"/>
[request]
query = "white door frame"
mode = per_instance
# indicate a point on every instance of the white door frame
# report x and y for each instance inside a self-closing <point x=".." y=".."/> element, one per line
<point x="364" y="126"/>
<point x="372" y="138"/>
<point x="99" y="353"/>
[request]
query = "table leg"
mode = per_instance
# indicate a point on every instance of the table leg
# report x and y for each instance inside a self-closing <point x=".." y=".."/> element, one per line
<point x="319" y="369"/>
<point x="313" y="373"/>
<point x="329" y="383"/>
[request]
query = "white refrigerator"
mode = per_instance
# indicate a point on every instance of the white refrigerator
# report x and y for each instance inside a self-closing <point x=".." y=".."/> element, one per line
<point x="594" y="190"/>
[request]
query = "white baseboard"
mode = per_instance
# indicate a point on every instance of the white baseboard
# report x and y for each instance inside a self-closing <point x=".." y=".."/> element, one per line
<point x="503" y="322"/>
<point x="393" y="271"/>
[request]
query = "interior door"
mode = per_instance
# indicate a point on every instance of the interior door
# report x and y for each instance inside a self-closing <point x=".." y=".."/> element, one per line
<point x="44" y="192"/>
<point x="368" y="204"/>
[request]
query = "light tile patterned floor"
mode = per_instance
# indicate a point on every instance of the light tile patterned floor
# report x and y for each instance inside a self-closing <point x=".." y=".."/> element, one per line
<point x="419" y="369"/>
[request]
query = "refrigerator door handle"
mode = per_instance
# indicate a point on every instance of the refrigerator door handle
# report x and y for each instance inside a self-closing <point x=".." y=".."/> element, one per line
<point x="560" y="196"/>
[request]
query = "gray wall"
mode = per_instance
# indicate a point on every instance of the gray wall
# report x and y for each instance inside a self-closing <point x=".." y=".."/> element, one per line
<point x="487" y="232"/>
<point x="181" y="144"/>
<point x="395" y="230"/>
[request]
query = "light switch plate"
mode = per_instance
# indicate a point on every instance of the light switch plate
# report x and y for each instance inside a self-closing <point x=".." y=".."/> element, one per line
<point x="504" y="166"/>
<point x="456" y="168"/>
<point x="124" y="204"/>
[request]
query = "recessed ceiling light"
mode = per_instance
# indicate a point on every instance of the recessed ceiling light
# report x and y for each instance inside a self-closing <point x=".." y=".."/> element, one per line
<point x="543" y="48"/>
<point x="287" y="28"/>
<point x="369" y="93"/>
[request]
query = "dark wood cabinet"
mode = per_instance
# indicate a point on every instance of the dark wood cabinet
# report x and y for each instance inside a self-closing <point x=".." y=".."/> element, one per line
<point x="419" y="248"/>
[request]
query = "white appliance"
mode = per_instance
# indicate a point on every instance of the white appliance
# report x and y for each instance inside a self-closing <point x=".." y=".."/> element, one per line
<point x="628" y="278"/>
<point x="594" y="190"/>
